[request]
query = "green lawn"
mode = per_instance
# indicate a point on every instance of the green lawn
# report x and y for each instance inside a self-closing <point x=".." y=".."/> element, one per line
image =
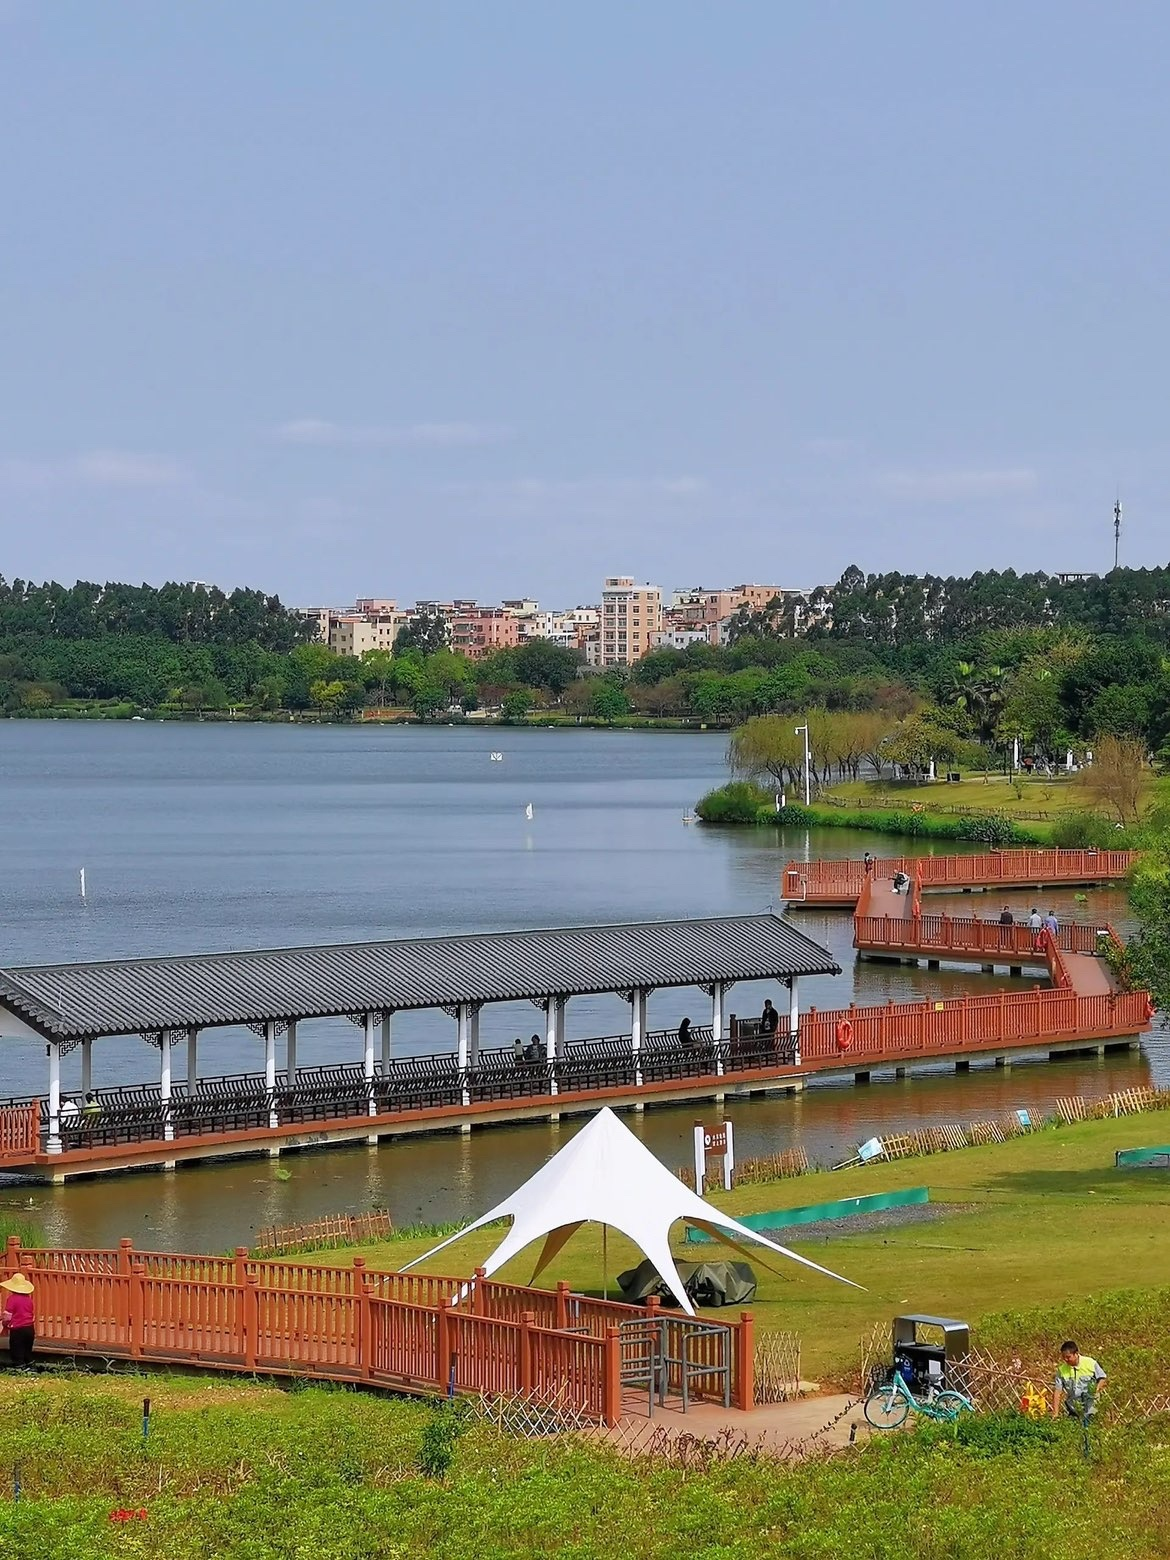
<point x="1049" y="1221"/>
<point x="1056" y="796"/>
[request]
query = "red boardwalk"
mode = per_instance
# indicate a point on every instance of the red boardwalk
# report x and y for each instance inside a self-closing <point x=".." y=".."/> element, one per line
<point x="408" y="1332"/>
<point x="839" y="883"/>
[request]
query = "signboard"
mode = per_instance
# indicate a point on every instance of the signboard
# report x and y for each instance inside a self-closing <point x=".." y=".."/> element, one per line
<point x="718" y="1141"/>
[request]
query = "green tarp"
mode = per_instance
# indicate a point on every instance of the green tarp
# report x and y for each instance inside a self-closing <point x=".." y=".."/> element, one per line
<point x="706" y="1283"/>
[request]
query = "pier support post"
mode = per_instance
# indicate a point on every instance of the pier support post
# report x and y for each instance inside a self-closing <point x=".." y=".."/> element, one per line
<point x="1004" y="1062"/>
<point x="387" y="1041"/>
<point x="164" y="1083"/>
<point x="192" y="1059"/>
<point x="270" y="1069"/>
<point x="290" y="1053"/>
<point x="794" y="1017"/>
<point x="861" y="1077"/>
<point x="899" y="1073"/>
<point x="550" y="1042"/>
<point x="368" y="1023"/>
<point x="963" y="1065"/>
<point x="637" y="1031"/>
<point x="86" y="1067"/>
<point x="717" y="993"/>
<point x="53" y="1141"/>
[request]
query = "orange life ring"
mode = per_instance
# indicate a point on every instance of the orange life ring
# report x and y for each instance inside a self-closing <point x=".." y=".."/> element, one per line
<point x="844" y="1034"/>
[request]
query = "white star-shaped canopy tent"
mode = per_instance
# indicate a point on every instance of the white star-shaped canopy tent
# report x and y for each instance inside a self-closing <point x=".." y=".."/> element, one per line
<point x="606" y="1176"/>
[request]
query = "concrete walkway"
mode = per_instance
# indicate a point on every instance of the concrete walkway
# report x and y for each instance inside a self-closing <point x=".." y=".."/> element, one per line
<point x="801" y="1427"/>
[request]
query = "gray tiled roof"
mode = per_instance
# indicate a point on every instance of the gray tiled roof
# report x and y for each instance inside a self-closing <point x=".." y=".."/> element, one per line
<point x="129" y="996"/>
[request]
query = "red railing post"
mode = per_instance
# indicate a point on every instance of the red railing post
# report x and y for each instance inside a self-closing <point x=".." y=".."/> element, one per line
<point x="479" y="1293"/>
<point x="250" y="1319"/>
<point x="744" y="1396"/>
<point x="365" y="1331"/>
<point x="562" y="1304"/>
<point x="12" y="1253"/>
<point x="125" y="1247"/>
<point x="137" y="1309"/>
<point x="524" y="1341"/>
<point x="241" y="1259"/>
<point x="444" y="1357"/>
<point x="611" y="1394"/>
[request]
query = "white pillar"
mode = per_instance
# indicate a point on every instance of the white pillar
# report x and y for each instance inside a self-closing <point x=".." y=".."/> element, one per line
<point x="794" y="1017"/>
<point x="192" y="1059"/>
<point x="550" y="1041"/>
<point x="368" y="1060"/>
<point x="561" y="1008"/>
<point x="53" y="1144"/>
<point x="717" y="993"/>
<point x="270" y="1069"/>
<point x="86" y="1067"/>
<point x="290" y="1053"/>
<point x="637" y="1031"/>
<point x="387" y="1042"/>
<point x="164" y="1082"/>
<point x="473" y="1035"/>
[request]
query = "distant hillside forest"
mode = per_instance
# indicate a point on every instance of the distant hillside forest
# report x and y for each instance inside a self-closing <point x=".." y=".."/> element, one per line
<point x="990" y="658"/>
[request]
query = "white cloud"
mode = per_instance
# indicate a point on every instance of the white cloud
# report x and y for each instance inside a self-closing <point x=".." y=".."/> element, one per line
<point x="315" y="432"/>
<point x="91" y="468"/>
<point x="582" y="490"/>
<point x="954" y="486"/>
<point x="120" y="468"/>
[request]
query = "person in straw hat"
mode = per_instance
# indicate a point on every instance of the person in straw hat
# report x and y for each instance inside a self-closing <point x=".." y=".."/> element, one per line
<point x="19" y="1318"/>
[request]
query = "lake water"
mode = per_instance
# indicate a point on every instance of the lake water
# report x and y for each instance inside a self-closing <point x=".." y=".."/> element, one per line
<point x="197" y="837"/>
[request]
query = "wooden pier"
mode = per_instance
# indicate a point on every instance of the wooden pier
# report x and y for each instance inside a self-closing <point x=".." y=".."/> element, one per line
<point x="295" y="1107"/>
<point x="839" y="884"/>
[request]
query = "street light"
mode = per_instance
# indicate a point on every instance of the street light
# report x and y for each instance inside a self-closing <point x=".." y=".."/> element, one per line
<point x="807" y="794"/>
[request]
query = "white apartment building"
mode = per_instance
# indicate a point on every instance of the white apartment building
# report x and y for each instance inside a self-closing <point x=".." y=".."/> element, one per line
<point x="630" y="616"/>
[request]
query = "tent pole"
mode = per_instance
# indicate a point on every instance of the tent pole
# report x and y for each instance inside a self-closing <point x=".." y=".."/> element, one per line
<point x="605" y="1261"/>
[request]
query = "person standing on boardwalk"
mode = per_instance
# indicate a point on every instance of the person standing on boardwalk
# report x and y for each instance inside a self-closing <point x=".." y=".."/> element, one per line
<point x="1079" y="1382"/>
<point x="1006" y="920"/>
<point x="1035" y="922"/>
<point x="867" y="864"/>
<point x="1051" y="923"/>
<point x="19" y="1318"/>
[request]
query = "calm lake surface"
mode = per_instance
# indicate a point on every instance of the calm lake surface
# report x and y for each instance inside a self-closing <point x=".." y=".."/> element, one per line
<point x="203" y="837"/>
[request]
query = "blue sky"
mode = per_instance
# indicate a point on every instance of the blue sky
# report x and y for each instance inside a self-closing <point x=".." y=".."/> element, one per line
<point x="498" y="298"/>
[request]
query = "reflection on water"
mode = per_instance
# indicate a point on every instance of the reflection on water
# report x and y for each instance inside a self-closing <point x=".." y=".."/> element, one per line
<point x="198" y="837"/>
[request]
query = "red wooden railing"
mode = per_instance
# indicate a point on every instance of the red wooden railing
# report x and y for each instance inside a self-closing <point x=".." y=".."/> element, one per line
<point x="843" y="880"/>
<point x="344" y="1324"/>
<point x="20" y="1127"/>
<point x="946" y="934"/>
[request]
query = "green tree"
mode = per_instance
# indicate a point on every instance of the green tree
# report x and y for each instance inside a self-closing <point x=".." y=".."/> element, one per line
<point x="516" y="705"/>
<point x="608" y="701"/>
<point x="326" y="696"/>
<point x="426" y="632"/>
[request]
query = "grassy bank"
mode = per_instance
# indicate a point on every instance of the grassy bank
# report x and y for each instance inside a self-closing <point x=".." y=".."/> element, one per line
<point x="1026" y="1213"/>
<point x="251" y="1473"/>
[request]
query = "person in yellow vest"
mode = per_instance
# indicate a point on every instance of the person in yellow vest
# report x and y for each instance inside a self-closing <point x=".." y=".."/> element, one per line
<point x="1078" y="1383"/>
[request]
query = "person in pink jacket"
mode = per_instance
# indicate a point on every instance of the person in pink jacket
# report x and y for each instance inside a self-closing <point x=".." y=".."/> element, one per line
<point x="19" y="1317"/>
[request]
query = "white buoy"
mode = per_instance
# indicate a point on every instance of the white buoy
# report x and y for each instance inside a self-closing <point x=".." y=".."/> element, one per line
<point x="528" y="812"/>
<point x="497" y="758"/>
<point x="82" y="876"/>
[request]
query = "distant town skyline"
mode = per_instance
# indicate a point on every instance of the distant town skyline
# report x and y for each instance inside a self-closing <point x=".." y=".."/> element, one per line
<point x="484" y="299"/>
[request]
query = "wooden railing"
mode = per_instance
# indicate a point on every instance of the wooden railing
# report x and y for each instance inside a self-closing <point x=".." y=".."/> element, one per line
<point x="918" y="1030"/>
<point x="946" y="934"/>
<point x="19" y="1132"/>
<point x="406" y="1331"/>
<point x="842" y="880"/>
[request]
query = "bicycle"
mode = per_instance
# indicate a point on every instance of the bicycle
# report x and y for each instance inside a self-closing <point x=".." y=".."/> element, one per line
<point x="887" y="1407"/>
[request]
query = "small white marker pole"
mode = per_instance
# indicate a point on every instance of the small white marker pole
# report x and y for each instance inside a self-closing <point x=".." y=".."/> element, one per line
<point x="82" y="877"/>
<point x="729" y="1158"/>
<point x="700" y="1159"/>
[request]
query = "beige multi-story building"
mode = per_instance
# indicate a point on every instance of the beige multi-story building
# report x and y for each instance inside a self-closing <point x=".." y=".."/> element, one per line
<point x="630" y="616"/>
<point x="319" y="617"/>
<point x="709" y="610"/>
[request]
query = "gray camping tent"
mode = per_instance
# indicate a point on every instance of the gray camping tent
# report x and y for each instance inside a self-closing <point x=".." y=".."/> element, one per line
<point x="705" y="1283"/>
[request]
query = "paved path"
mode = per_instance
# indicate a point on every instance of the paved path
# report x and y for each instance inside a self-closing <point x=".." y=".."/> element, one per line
<point x="786" y="1429"/>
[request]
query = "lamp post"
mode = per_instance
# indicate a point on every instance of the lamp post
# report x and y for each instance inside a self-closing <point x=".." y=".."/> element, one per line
<point x="807" y="793"/>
